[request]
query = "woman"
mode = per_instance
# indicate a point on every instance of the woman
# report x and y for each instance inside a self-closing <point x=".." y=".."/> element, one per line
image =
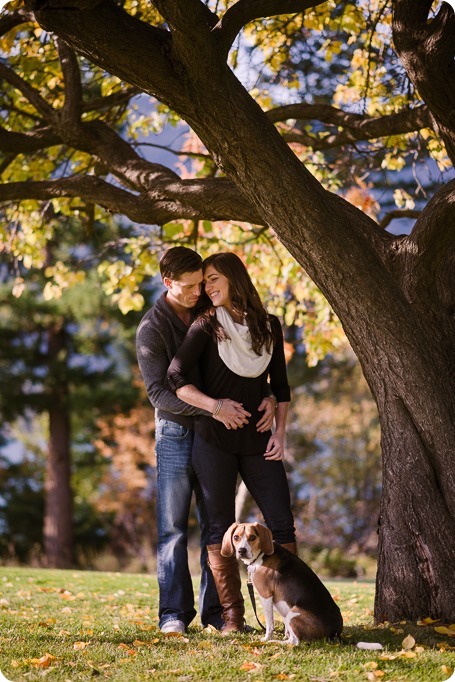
<point x="237" y="347"/>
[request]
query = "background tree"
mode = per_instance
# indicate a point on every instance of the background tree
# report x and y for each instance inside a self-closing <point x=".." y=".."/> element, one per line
<point x="60" y="357"/>
<point x="393" y="295"/>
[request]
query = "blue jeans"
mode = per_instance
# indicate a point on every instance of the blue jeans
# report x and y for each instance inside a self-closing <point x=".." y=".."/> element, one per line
<point x="176" y="482"/>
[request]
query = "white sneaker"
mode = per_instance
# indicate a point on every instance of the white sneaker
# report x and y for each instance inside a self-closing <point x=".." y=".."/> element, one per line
<point x="173" y="626"/>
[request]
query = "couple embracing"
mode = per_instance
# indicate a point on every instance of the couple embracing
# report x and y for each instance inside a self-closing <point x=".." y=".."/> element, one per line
<point x="213" y="364"/>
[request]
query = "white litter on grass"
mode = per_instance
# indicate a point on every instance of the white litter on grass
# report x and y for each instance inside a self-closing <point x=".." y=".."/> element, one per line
<point x="371" y="646"/>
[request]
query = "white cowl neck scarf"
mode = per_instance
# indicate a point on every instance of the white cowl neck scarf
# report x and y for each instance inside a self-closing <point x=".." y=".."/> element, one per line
<point x="236" y="352"/>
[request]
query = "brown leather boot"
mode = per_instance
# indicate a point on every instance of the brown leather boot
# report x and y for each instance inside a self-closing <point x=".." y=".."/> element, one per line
<point x="291" y="547"/>
<point x="226" y="574"/>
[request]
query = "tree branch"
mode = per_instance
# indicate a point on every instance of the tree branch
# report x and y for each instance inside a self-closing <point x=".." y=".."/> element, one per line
<point x="70" y="114"/>
<point x="114" y="100"/>
<point x="29" y="142"/>
<point x="163" y="201"/>
<point x="245" y="11"/>
<point x="89" y="188"/>
<point x="14" y="19"/>
<point x="30" y="93"/>
<point x="427" y="51"/>
<point x="397" y="214"/>
<point x="357" y="127"/>
<point x="131" y="49"/>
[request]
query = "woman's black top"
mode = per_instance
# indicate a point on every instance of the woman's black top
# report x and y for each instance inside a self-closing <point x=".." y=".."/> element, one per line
<point x="218" y="381"/>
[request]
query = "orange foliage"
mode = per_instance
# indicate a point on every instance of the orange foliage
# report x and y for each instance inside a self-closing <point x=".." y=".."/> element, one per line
<point x="126" y="490"/>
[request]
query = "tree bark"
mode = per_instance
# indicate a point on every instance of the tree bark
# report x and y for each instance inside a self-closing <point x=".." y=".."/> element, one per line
<point x="58" y="514"/>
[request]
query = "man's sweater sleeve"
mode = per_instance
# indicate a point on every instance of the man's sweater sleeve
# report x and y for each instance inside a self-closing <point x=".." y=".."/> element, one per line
<point x="153" y="363"/>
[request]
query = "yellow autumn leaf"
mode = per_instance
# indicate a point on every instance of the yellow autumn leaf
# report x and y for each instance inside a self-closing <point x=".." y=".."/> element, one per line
<point x="443" y="630"/>
<point x="205" y="645"/>
<point x="43" y="662"/>
<point x="249" y="665"/>
<point x="80" y="645"/>
<point x="408" y="642"/>
<point x="427" y="621"/>
<point x="443" y="646"/>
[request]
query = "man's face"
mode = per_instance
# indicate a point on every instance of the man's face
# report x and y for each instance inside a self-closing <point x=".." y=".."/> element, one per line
<point x="186" y="290"/>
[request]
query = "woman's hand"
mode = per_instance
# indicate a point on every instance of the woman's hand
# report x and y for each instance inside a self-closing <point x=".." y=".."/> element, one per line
<point x="275" y="447"/>
<point x="232" y="414"/>
<point x="268" y="406"/>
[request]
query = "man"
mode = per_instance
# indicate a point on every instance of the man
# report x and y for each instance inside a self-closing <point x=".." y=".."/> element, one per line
<point x="159" y="335"/>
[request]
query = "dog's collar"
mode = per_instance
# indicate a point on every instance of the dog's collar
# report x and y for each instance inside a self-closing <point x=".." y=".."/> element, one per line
<point x="259" y="556"/>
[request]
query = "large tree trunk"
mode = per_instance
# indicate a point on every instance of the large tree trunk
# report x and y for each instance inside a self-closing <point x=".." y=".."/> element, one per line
<point x="371" y="279"/>
<point x="417" y="529"/>
<point x="58" y="519"/>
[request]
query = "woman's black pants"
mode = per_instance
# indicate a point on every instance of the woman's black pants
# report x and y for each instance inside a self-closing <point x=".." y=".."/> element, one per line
<point x="266" y="481"/>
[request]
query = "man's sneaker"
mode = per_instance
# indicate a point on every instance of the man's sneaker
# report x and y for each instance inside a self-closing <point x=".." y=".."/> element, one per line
<point x="175" y="626"/>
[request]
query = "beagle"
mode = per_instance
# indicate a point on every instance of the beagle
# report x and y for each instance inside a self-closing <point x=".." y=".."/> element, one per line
<point x="285" y="582"/>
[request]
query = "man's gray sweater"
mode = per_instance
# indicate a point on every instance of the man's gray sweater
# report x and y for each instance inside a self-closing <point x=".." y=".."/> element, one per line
<point x="159" y="335"/>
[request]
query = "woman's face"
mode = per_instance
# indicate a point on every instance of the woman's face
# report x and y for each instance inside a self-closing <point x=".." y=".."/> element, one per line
<point x="217" y="287"/>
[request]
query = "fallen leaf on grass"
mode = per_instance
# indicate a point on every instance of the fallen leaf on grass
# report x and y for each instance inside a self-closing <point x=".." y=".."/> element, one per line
<point x="43" y="662"/>
<point x="446" y="630"/>
<point x="80" y="645"/>
<point x="408" y="642"/>
<point x="427" y="621"/>
<point x="444" y="646"/>
<point x="374" y="674"/>
<point x="250" y="666"/>
<point x="205" y="645"/>
<point x="210" y="630"/>
<point x="48" y="623"/>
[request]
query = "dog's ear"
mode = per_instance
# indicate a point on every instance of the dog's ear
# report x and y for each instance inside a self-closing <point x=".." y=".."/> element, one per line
<point x="265" y="538"/>
<point x="227" y="548"/>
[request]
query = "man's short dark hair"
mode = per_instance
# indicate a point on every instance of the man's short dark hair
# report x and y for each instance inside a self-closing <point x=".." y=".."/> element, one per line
<point x="179" y="259"/>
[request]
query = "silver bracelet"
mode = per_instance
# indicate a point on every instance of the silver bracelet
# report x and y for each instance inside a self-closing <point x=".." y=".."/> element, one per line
<point x="218" y="408"/>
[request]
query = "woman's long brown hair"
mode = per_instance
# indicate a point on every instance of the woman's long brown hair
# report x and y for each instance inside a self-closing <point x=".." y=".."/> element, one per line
<point x="244" y="298"/>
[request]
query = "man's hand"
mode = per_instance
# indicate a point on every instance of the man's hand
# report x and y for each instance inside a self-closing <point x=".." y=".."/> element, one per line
<point x="232" y="414"/>
<point x="268" y="406"/>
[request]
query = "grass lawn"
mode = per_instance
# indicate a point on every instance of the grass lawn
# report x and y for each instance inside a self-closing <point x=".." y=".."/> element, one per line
<point x="76" y="625"/>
